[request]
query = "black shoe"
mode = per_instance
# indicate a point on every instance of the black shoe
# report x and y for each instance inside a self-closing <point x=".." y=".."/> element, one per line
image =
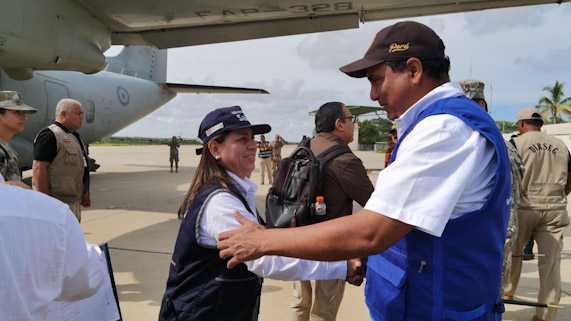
<point x="528" y="250"/>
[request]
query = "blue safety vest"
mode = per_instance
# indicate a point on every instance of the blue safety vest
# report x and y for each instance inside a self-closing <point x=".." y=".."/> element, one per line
<point x="456" y="276"/>
<point x="199" y="286"/>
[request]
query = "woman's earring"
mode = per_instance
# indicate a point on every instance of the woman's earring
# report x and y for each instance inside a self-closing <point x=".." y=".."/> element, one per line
<point x="217" y="157"/>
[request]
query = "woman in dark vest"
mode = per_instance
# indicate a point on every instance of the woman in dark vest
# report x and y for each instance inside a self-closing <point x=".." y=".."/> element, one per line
<point x="199" y="286"/>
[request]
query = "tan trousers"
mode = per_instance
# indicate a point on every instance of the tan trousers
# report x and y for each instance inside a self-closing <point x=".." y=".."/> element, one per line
<point x="317" y="300"/>
<point x="266" y="165"/>
<point x="75" y="208"/>
<point x="547" y="228"/>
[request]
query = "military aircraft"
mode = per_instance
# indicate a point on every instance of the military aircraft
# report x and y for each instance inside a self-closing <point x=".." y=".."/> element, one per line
<point x="132" y="85"/>
<point x="69" y="38"/>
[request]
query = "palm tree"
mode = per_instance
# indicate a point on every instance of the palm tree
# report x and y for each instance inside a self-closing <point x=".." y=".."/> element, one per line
<point x="555" y="104"/>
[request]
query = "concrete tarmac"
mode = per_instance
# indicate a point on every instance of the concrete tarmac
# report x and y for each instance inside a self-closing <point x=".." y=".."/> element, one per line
<point x="134" y="204"/>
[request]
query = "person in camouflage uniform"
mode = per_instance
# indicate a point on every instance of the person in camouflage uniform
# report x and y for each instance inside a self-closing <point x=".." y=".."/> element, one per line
<point x="277" y="145"/>
<point x="174" y="146"/>
<point x="474" y="89"/>
<point x="13" y="116"/>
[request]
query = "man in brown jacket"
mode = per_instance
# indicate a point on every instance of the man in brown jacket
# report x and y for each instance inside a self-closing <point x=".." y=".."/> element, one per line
<point x="345" y="181"/>
<point x="543" y="207"/>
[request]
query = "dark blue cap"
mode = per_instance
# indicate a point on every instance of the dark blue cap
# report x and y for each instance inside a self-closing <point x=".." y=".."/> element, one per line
<point x="223" y="120"/>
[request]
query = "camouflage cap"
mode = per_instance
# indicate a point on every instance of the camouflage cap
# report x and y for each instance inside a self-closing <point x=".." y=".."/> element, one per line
<point x="529" y="113"/>
<point x="473" y="88"/>
<point x="12" y="100"/>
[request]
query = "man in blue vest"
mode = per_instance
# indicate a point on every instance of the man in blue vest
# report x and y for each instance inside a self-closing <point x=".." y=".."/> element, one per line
<point x="435" y="226"/>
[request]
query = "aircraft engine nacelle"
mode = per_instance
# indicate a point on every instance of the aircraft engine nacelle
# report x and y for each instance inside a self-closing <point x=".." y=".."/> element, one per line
<point x="50" y="35"/>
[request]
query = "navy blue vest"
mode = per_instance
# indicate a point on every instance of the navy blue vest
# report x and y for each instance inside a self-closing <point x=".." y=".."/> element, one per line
<point x="456" y="276"/>
<point x="199" y="286"/>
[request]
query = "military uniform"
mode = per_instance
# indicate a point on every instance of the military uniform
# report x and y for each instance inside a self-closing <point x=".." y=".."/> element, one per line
<point x="11" y="101"/>
<point x="277" y="154"/>
<point x="174" y="146"/>
<point x="542" y="211"/>
<point x="9" y="167"/>
<point x="517" y="170"/>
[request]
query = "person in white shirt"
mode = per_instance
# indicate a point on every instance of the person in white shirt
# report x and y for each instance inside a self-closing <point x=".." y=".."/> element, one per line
<point x="199" y="286"/>
<point x="43" y="255"/>
<point x="435" y="226"/>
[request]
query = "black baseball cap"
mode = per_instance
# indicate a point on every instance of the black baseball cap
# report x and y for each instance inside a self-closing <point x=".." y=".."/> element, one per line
<point x="400" y="41"/>
<point x="223" y="120"/>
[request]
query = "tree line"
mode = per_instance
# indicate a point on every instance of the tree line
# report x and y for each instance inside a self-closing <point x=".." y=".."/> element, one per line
<point x="552" y="107"/>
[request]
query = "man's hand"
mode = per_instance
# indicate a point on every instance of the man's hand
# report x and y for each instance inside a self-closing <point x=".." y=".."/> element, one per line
<point x="241" y="243"/>
<point x="85" y="201"/>
<point x="356" y="271"/>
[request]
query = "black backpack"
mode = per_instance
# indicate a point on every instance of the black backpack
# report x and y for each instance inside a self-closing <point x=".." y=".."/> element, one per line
<point x="289" y="202"/>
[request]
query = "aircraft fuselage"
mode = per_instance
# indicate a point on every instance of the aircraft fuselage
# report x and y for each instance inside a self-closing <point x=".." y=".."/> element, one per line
<point x="110" y="103"/>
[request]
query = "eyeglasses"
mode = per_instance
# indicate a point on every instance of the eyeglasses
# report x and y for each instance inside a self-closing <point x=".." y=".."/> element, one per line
<point x="353" y="118"/>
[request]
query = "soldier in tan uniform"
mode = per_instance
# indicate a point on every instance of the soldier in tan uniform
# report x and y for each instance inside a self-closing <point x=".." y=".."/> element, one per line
<point x="60" y="159"/>
<point x="543" y="207"/>
<point x="474" y="89"/>
<point x="13" y="116"/>
<point x="277" y="145"/>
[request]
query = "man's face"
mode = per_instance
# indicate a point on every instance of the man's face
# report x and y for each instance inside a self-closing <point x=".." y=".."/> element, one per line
<point x="263" y="138"/>
<point x="348" y="125"/>
<point x="390" y="89"/>
<point x="13" y="121"/>
<point x="73" y="118"/>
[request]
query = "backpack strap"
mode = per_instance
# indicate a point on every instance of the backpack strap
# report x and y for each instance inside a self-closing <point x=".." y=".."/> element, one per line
<point x="331" y="153"/>
<point x="234" y="191"/>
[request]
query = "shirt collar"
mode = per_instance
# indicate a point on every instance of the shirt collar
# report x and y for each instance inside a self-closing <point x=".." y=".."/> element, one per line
<point x="60" y="125"/>
<point x="446" y="90"/>
<point x="245" y="186"/>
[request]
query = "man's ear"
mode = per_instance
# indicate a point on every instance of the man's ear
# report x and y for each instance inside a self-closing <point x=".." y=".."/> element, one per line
<point x="414" y="66"/>
<point x="339" y="125"/>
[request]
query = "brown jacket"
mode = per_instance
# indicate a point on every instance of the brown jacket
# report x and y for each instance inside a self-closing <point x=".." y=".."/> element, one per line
<point x="345" y="178"/>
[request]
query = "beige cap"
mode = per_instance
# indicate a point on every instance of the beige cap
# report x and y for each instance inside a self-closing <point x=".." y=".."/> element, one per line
<point x="473" y="88"/>
<point x="12" y="100"/>
<point x="529" y="113"/>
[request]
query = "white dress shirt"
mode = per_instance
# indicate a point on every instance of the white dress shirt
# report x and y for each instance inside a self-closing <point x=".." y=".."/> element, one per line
<point x="443" y="169"/>
<point x="43" y="255"/>
<point x="218" y="216"/>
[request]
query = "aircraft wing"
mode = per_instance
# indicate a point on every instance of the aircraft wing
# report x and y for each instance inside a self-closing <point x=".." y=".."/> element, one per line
<point x="200" y="89"/>
<point x="74" y="34"/>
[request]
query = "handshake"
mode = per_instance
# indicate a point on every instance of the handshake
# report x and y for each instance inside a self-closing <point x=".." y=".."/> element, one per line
<point x="356" y="271"/>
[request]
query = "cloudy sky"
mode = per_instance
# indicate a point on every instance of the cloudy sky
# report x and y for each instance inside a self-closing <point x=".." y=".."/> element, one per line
<point x="515" y="51"/>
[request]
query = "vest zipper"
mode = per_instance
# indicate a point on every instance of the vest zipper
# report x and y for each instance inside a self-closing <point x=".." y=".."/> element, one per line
<point x="422" y="264"/>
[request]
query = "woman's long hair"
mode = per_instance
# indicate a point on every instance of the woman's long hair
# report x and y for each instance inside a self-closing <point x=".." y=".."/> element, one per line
<point x="209" y="171"/>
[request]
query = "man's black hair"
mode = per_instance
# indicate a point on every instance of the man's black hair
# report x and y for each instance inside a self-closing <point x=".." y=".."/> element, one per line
<point x="533" y="122"/>
<point x="326" y="116"/>
<point x="2" y="111"/>
<point x="435" y="68"/>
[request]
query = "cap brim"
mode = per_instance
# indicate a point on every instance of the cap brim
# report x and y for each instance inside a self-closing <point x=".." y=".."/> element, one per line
<point x="261" y="129"/>
<point x="358" y="69"/>
<point x="25" y="108"/>
<point x="256" y="130"/>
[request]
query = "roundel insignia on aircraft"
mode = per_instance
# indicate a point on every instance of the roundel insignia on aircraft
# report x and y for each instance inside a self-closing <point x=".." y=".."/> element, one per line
<point x="123" y="95"/>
